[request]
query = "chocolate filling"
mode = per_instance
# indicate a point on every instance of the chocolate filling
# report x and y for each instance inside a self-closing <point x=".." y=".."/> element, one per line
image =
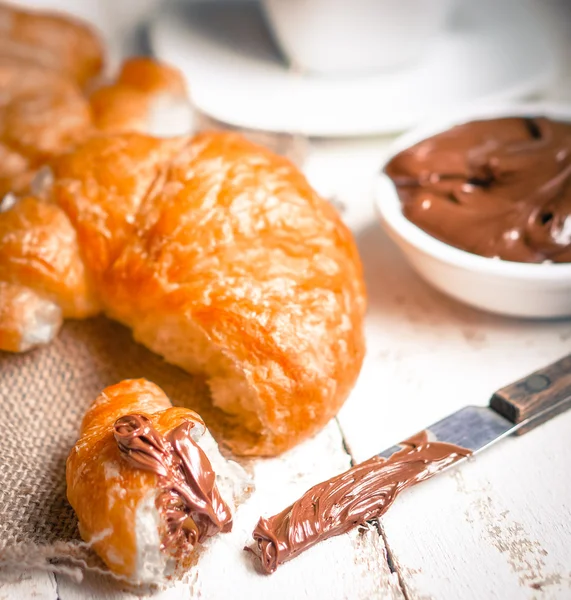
<point x="498" y="188"/>
<point x="188" y="499"/>
<point x="360" y="494"/>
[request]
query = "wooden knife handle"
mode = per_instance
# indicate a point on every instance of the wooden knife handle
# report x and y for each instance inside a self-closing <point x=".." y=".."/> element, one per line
<point x="545" y="393"/>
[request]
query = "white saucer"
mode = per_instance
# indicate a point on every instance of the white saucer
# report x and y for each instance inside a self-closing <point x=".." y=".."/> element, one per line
<point x="491" y="51"/>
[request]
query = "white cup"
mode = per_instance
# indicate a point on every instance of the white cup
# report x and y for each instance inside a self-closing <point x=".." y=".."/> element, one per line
<point x="344" y="36"/>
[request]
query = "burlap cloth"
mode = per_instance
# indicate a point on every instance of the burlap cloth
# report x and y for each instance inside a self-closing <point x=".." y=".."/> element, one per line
<point x="43" y="396"/>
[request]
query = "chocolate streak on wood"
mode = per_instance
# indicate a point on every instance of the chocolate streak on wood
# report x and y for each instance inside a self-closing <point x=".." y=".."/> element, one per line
<point x="362" y="493"/>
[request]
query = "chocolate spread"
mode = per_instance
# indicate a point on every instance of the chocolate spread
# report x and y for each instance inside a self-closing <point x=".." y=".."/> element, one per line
<point x="188" y="499"/>
<point x="360" y="494"/>
<point x="499" y="188"/>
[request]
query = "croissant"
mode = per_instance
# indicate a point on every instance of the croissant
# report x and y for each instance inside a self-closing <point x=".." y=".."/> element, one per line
<point x="46" y="61"/>
<point x="44" y="113"/>
<point x="42" y="276"/>
<point x="147" y="482"/>
<point x="52" y="42"/>
<point x="219" y="256"/>
<point x="147" y="97"/>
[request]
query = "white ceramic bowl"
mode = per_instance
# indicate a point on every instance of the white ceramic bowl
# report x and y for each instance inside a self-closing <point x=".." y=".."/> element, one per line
<point x="499" y="286"/>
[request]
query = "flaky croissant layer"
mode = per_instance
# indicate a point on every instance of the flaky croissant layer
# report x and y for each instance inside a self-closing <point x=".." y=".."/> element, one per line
<point x="220" y="257"/>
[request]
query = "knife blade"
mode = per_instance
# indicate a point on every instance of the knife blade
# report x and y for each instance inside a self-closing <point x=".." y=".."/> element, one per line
<point x="514" y="409"/>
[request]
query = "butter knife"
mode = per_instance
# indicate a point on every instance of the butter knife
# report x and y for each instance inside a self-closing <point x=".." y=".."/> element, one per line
<point x="514" y="409"/>
<point x="367" y="490"/>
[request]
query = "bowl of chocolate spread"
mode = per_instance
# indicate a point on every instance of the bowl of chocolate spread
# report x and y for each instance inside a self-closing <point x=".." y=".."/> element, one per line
<point x="481" y="206"/>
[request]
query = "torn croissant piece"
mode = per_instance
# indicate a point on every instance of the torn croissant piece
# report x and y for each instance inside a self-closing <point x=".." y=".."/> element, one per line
<point x="148" y="484"/>
<point x="147" y="97"/>
<point x="51" y="41"/>
<point x="222" y="259"/>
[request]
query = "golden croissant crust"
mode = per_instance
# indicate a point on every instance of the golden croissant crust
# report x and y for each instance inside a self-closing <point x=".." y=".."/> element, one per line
<point x="221" y="258"/>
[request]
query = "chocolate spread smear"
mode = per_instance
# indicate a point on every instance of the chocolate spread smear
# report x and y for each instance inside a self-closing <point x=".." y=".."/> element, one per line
<point x="499" y="188"/>
<point x="362" y="493"/>
<point x="188" y="499"/>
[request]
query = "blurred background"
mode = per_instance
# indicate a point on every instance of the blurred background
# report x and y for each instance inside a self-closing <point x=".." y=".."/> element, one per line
<point x="331" y="82"/>
<point x="332" y="68"/>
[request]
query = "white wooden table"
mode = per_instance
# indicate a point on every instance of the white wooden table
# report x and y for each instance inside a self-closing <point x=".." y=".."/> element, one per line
<point x="496" y="527"/>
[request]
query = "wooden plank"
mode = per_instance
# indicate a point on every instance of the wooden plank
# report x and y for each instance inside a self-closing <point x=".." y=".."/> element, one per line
<point x="352" y="566"/>
<point x="24" y="586"/>
<point x="97" y="587"/>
